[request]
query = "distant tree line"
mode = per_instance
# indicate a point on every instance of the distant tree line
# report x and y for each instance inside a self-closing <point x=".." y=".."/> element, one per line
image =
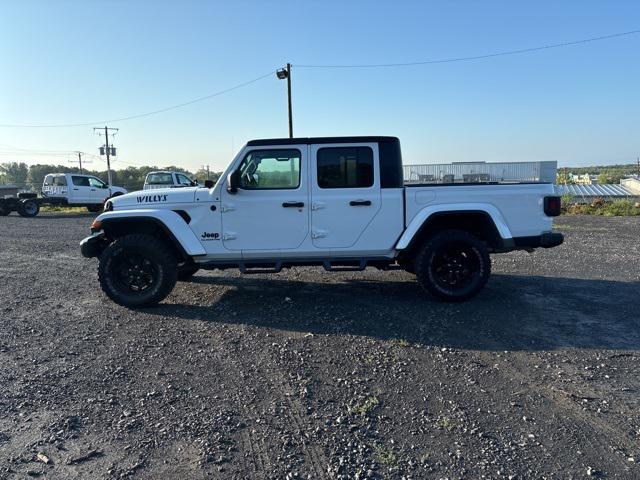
<point x="605" y="173"/>
<point x="131" y="178"/>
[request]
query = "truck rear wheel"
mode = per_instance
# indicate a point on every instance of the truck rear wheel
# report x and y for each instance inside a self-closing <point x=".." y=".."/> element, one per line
<point x="4" y="211"/>
<point x="137" y="271"/>
<point x="28" y="208"/>
<point x="453" y="265"/>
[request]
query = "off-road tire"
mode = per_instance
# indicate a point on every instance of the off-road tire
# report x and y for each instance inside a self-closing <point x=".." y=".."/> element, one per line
<point x="4" y="211"/>
<point x="148" y="248"/>
<point x="472" y="265"/>
<point x="94" y="208"/>
<point x="28" y="208"/>
<point x="185" y="272"/>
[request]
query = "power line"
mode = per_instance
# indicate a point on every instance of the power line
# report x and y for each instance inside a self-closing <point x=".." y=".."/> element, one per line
<point x="477" y="57"/>
<point x="140" y="115"/>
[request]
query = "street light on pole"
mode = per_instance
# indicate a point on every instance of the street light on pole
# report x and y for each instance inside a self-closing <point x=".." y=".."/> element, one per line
<point x="285" y="73"/>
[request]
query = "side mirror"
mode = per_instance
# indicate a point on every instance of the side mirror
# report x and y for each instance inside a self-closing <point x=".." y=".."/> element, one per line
<point x="207" y="184"/>
<point x="233" y="181"/>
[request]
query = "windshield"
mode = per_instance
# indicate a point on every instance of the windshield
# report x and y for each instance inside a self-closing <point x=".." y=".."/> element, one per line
<point x="159" y="179"/>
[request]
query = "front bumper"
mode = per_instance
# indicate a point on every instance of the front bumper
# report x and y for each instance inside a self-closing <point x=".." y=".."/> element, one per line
<point x="93" y="245"/>
<point x="546" y="240"/>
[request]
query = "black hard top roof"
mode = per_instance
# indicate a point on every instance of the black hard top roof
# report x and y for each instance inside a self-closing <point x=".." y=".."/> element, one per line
<point x="315" y="140"/>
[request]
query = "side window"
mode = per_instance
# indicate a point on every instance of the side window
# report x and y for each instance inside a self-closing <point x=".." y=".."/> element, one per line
<point x="55" y="180"/>
<point x="345" y="167"/>
<point x="80" y="181"/>
<point x="95" y="183"/>
<point x="270" y="169"/>
<point x="183" y="180"/>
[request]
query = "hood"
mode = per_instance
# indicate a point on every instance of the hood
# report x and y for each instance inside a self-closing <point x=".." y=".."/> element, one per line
<point x="154" y="198"/>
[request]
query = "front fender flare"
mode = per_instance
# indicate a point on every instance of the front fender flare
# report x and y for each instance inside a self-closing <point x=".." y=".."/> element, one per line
<point x="172" y="223"/>
<point x="424" y="215"/>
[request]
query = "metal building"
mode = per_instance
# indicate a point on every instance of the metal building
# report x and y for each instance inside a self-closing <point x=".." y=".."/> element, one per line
<point x="473" y="172"/>
<point x="588" y="193"/>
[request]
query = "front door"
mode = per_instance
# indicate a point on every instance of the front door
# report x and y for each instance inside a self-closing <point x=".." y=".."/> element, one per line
<point x="80" y="190"/>
<point x="269" y="211"/>
<point x="345" y="193"/>
<point x="99" y="190"/>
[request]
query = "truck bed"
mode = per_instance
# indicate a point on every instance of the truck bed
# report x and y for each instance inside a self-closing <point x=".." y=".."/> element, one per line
<point x="519" y="205"/>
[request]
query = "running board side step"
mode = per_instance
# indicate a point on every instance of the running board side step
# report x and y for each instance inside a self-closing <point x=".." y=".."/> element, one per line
<point x="360" y="266"/>
<point x="249" y="268"/>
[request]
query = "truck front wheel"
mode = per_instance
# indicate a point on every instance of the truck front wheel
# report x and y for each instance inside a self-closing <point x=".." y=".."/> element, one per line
<point x="137" y="271"/>
<point x="453" y="265"/>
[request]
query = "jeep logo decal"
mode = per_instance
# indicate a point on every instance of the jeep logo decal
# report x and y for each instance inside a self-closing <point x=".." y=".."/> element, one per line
<point x="210" y="236"/>
<point x="152" y="198"/>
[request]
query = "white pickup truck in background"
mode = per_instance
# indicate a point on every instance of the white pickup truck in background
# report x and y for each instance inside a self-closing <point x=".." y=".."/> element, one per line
<point x="62" y="189"/>
<point x="74" y="189"/>
<point x="339" y="202"/>
<point x="167" y="179"/>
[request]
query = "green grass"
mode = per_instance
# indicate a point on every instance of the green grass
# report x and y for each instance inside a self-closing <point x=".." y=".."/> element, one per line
<point x="63" y="210"/>
<point x="385" y="456"/>
<point x="369" y="404"/>
<point x="617" y="208"/>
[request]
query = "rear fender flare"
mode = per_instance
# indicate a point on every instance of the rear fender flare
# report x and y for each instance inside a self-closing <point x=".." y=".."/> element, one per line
<point x="427" y="212"/>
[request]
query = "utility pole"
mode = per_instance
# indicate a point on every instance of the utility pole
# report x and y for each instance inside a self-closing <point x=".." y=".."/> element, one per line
<point x="285" y="73"/>
<point x="79" y="161"/>
<point x="108" y="151"/>
<point x="206" y="167"/>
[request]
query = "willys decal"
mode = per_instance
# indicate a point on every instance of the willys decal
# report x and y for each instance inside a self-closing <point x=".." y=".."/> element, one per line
<point x="152" y="198"/>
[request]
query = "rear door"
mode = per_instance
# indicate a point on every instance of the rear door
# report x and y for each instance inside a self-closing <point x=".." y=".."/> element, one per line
<point x="269" y="212"/>
<point x="345" y="192"/>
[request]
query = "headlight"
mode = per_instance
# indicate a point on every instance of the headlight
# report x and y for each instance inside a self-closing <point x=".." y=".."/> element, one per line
<point x="96" y="226"/>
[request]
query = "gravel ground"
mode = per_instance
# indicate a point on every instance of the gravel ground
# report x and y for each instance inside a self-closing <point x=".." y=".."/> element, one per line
<point x="306" y="374"/>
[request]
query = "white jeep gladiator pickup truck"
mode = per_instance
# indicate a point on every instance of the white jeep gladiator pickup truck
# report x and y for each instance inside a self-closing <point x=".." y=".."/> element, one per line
<point x="340" y="203"/>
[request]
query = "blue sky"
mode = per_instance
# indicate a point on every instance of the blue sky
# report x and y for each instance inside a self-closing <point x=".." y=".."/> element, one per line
<point x="84" y="61"/>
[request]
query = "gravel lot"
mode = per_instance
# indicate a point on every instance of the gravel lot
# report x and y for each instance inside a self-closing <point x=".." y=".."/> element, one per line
<point x="306" y="374"/>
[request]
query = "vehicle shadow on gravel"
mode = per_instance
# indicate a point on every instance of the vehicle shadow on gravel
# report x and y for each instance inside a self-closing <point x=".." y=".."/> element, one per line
<point x="512" y="313"/>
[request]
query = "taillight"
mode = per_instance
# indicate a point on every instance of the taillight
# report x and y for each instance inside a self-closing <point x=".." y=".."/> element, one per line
<point x="552" y="206"/>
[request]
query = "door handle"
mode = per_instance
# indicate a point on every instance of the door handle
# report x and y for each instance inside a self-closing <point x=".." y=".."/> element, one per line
<point x="360" y="203"/>
<point x="76" y="189"/>
<point x="293" y="204"/>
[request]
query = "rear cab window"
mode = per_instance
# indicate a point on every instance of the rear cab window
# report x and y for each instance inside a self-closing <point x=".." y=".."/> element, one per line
<point x="55" y="181"/>
<point x="159" y="179"/>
